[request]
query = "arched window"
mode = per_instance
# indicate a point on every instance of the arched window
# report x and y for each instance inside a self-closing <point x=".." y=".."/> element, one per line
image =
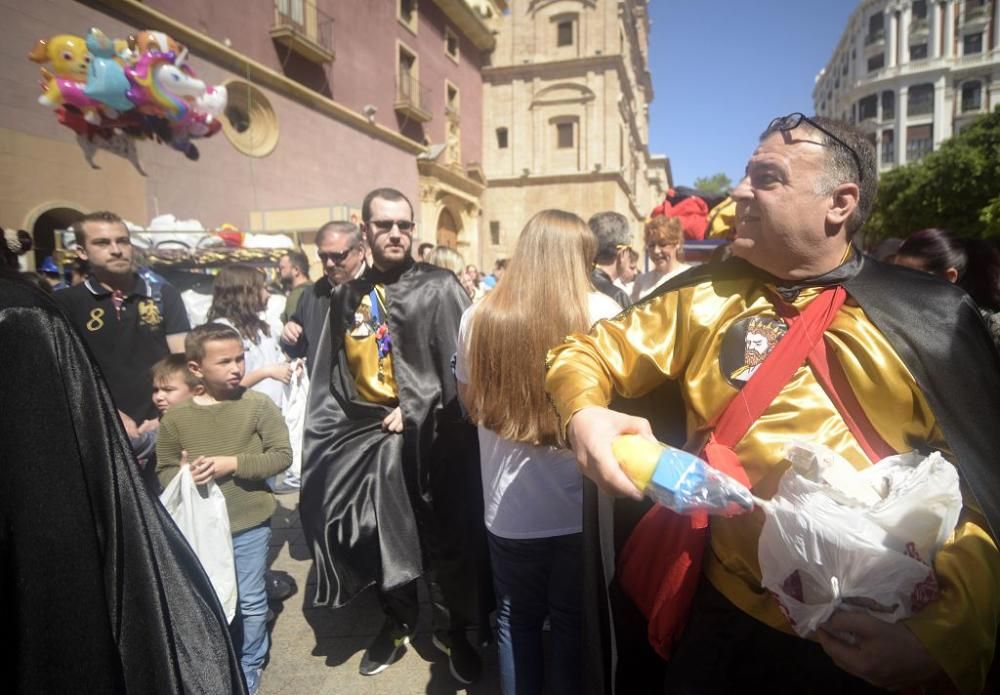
<point x="972" y="96"/>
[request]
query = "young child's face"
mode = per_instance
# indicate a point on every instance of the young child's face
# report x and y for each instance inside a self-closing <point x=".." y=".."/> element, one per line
<point x="170" y="391"/>
<point x="222" y="368"/>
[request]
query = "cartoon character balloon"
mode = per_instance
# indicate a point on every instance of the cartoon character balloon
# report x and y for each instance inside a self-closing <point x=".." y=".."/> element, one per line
<point x="106" y="80"/>
<point x="112" y="93"/>
<point x="66" y="53"/>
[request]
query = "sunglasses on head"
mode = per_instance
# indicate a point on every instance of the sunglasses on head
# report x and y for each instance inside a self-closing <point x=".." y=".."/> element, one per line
<point x="405" y="226"/>
<point x="335" y="256"/>
<point x="792" y="121"/>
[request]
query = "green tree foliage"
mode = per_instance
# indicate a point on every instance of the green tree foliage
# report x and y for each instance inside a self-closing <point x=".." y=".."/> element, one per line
<point x="717" y="184"/>
<point x="957" y="187"/>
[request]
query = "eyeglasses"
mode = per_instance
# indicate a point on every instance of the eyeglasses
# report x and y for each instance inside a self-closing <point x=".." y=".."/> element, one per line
<point x="405" y="226"/>
<point x="794" y="120"/>
<point x="662" y="244"/>
<point x="335" y="256"/>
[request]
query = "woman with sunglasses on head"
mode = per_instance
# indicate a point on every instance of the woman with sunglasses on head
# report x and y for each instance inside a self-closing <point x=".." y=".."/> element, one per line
<point x="533" y="491"/>
<point x="664" y="237"/>
<point x="239" y="297"/>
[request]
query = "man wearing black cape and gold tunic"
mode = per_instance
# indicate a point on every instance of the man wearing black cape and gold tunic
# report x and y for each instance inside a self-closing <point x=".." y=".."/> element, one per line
<point x="912" y="368"/>
<point x="389" y="492"/>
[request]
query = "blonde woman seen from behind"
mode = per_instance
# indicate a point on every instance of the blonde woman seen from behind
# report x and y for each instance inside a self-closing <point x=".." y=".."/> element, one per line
<point x="532" y="491"/>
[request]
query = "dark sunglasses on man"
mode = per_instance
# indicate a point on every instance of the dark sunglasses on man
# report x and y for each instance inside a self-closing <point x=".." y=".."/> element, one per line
<point x="335" y="256"/>
<point x="792" y="121"/>
<point x="405" y="226"/>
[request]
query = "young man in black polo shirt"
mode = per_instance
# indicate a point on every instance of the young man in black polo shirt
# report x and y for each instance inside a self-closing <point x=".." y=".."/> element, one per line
<point x="127" y="323"/>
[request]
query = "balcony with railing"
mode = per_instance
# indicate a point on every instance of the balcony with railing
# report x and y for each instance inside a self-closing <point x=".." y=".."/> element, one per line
<point x="975" y="14"/>
<point x="919" y="27"/>
<point x="412" y="100"/>
<point x="874" y="37"/>
<point x="303" y="29"/>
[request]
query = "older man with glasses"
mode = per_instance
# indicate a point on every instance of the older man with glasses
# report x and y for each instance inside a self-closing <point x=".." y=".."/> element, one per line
<point x="341" y="250"/>
<point x="869" y="360"/>
<point x="613" y="243"/>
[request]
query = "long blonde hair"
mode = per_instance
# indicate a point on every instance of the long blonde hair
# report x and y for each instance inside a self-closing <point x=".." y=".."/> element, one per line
<point x="449" y="258"/>
<point x="542" y="299"/>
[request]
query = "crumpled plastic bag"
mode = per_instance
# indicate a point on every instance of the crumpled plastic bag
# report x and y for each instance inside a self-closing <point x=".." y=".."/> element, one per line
<point x="295" y="409"/>
<point x="824" y="548"/>
<point x="201" y="515"/>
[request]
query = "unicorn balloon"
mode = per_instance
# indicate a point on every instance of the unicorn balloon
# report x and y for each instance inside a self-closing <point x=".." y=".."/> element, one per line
<point x="160" y="87"/>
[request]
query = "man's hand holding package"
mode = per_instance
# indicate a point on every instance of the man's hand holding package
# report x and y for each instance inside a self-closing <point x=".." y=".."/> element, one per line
<point x="291" y="333"/>
<point x="590" y="432"/>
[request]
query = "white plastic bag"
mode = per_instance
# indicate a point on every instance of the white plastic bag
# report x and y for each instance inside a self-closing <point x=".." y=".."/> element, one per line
<point x="200" y="513"/>
<point x="820" y="551"/>
<point x="296" y="404"/>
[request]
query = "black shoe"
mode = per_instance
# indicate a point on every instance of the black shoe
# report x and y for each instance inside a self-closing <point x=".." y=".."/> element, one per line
<point x="279" y="586"/>
<point x="385" y="649"/>
<point x="463" y="661"/>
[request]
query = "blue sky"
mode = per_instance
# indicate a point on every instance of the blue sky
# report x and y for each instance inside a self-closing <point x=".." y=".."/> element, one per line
<point x="723" y="69"/>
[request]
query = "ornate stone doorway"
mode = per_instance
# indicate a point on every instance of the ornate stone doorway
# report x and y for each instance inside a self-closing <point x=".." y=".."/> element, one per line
<point x="447" y="230"/>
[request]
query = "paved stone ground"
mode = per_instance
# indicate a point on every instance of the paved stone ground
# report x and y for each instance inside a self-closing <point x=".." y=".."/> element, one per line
<point x="317" y="650"/>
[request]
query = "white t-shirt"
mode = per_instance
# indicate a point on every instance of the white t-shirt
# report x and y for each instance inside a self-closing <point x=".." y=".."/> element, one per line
<point x="647" y="282"/>
<point x="266" y="351"/>
<point x="529" y="491"/>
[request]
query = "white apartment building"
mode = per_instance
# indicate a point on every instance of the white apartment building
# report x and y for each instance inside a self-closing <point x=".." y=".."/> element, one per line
<point x="912" y="73"/>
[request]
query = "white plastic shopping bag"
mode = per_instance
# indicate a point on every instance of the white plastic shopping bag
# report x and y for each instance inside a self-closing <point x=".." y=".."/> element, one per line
<point x="294" y="410"/>
<point x="864" y="545"/>
<point x="200" y="513"/>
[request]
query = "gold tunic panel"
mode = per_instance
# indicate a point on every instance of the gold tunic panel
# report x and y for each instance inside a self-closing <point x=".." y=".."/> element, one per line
<point x="679" y="336"/>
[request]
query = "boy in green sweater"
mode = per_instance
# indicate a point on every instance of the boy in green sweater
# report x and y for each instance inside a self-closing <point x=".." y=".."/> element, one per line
<point x="239" y="439"/>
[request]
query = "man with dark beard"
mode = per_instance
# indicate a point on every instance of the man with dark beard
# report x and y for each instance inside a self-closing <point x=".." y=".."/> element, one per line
<point x="388" y="461"/>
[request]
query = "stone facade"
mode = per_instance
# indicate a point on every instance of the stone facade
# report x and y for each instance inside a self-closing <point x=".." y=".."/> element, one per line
<point x="912" y="73"/>
<point x="566" y="116"/>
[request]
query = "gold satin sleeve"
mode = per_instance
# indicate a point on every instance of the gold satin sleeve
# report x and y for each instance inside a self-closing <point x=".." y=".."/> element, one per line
<point x="959" y="629"/>
<point x="362" y="360"/>
<point x="631" y="353"/>
<point x="679" y="335"/>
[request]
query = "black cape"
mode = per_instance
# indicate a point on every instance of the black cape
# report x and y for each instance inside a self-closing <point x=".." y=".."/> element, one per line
<point x="603" y="283"/>
<point x="100" y="591"/>
<point x="938" y="333"/>
<point x="310" y="313"/>
<point x="366" y="491"/>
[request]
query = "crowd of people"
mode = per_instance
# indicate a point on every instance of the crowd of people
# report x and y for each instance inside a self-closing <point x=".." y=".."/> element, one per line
<point x="459" y="426"/>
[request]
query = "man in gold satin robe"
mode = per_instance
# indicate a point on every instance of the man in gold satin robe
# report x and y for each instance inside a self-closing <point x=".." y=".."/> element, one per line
<point x="921" y="368"/>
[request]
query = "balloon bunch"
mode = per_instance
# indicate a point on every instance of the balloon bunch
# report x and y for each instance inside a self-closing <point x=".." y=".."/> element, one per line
<point x="114" y="92"/>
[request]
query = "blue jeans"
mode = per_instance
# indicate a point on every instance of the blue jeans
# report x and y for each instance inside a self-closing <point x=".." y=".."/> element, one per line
<point x="250" y="554"/>
<point x="534" y="578"/>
